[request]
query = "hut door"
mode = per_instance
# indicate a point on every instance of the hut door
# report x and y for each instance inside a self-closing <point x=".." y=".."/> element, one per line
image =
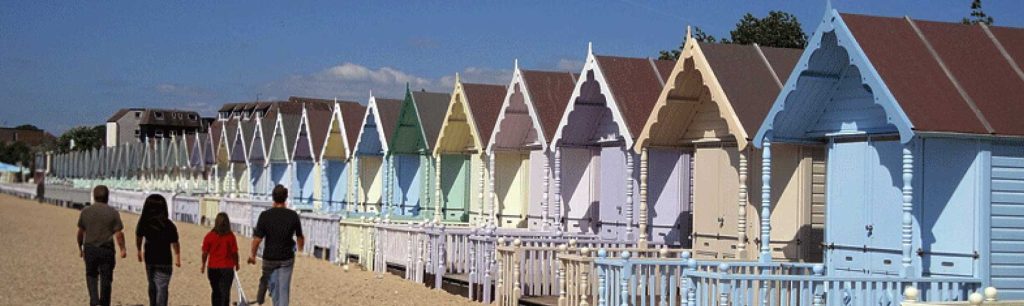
<point x="611" y="194"/>
<point x="668" y="196"/>
<point x="846" y="215"/>
<point x="885" y="212"/>
<point x="455" y="186"/>
<point x="715" y="202"/>
<point x="407" y="181"/>
<point x="578" y="178"/>
<point x="370" y="181"/>
<point x="947" y="214"/>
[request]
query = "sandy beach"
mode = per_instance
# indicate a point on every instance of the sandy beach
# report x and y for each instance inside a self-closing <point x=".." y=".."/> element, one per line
<point x="39" y="265"/>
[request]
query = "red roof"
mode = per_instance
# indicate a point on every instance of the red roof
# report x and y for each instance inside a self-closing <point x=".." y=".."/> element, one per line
<point x="549" y="92"/>
<point x="352" y="116"/>
<point x="636" y="84"/>
<point x="980" y="94"/>
<point x="484" y="101"/>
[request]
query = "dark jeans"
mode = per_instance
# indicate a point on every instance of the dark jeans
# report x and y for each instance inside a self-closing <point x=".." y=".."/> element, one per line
<point x="159" y="277"/>
<point x="99" y="273"/>
<point x="220" y="282"/>
<point x="277" y="277"/>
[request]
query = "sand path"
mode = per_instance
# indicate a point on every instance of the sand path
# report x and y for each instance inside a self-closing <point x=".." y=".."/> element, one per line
<point x="39" y="265"/>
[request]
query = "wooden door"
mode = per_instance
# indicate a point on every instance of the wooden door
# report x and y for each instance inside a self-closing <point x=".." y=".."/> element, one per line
<point x="407" y="184"/>
<point x="715" y="202"/>
<point x="668" y="196"/>
<point x="885" y="212"/>
<point x="611" y="194"/>
<point x="948" y="210"/>
<point x="511" y="187"/>
<point x="455" y="187"/>
<point x="370" y="179"/>
<point x="578" y="180"/>
<point x="846" y="211"/>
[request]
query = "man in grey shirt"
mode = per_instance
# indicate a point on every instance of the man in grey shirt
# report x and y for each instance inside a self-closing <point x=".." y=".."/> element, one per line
<point x="98" y="225"/>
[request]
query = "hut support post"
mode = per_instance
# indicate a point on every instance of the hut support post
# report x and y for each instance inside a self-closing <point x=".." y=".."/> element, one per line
<point x="558" y="190"/>
<point x="643" y="197"/>
<point x="493" y="194"/>
<point x="741" y="214"/>
<point x="629" y="196"/>
<point x="908" y="206"/>
<point x="766" y="201"/>
<point x="437" y="189"/>
<point x="544" y="196"/>
<point x="355" y="181"/>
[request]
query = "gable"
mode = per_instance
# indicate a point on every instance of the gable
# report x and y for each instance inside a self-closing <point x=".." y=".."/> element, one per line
<point x="517" y="124"/>
<point x="834" y="90"/>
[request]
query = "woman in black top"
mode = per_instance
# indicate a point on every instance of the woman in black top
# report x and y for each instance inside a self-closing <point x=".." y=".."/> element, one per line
<point x="160" y="236"/>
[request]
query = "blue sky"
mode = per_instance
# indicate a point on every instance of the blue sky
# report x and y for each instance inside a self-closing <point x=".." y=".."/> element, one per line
<point x="64" y="63"/>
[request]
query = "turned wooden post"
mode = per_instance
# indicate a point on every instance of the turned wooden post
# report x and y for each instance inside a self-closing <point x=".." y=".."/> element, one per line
<point x="438" y="216"/>
<point x="741" y="214"/>
<point x="766" y="201"/>
<point x="544" y="195"/>
<point x="494" y="195"/>
<point x="558" y="190"/>
<point x="642" y="242"/>
<point x="908" y="210"/>
<point x="629" y="194"/>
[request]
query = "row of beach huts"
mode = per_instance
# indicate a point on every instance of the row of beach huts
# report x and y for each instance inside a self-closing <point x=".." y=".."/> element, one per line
<point x="883" y="164"/>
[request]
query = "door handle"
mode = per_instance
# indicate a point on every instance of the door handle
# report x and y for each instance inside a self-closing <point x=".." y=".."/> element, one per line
<point x="870" y="228"/>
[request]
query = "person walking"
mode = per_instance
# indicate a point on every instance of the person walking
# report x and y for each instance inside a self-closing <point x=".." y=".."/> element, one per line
<point x="98" y="226"/>
<point x="275" y="228"/>
<point x="220" y="255"/>
<point x="160" y="236"/>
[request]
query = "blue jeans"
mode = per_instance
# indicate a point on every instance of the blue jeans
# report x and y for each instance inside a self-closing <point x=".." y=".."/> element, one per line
<point x="159" y="277"/>
<point x="277" y="278"/>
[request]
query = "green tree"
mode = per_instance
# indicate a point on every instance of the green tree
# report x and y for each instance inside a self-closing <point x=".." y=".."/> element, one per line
<point x="698" y="34"/>
<point x="15" y="153"/>
<point x="778" y="29"/>
<point x="978" y="15"/>
<point x="86" y="138"/>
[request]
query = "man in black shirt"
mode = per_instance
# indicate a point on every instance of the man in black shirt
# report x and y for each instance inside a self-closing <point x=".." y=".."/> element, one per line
<point x="275" y="227"/>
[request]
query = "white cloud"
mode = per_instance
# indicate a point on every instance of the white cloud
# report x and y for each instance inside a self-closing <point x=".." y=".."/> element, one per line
<point x="354" y="82"/>
<point x="570" y="65"/>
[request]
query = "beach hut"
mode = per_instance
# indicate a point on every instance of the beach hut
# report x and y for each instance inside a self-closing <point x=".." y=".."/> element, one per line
<point x="228" y="129"/>
<point x="410" y="173"/>
<point x="286" y="126"/>
<point x="377" y="126"/>
<point x="337" y="154"/>
<point x="715" y="100"/>
<point x="925" y="149"/>
<point x="466" y="171"/>
<point x="533" y="105"/>
<point x="259" y="175"/>
<point x="309" y="143"/>
<point x="595" y="169"/>
<point x="239" y="160"/>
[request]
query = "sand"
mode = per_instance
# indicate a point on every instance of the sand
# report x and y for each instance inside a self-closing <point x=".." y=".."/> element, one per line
<point x="39" y="265"/>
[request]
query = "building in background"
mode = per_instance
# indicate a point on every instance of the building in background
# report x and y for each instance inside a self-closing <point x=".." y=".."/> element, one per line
<point x="135" y="124"/>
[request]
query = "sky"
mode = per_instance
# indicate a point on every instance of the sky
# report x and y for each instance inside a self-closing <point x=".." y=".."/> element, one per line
<point x="72" y="63"/>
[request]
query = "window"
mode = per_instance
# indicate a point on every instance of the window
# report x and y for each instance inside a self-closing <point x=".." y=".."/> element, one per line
<point x="137" y="133"/>
<point x="159" y="133"/>
<point x="191" y="116"/>
<point x="158" y="115"/>
<point x="138" y="114"/>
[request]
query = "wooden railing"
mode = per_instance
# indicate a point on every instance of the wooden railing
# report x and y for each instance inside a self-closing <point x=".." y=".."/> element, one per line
<point x="322" y="236"/>
<point x="356" y="240"/>
<point x="684" y="281"/>
<point x="186" y="208"/>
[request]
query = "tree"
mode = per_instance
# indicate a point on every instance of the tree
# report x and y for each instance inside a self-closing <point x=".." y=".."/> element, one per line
<point x="778" y="29"/>
<point x="978" y="15"/>
<point x="16" y="153"/>
<point x="698" y="34"/>
<point x="86" y="138"/>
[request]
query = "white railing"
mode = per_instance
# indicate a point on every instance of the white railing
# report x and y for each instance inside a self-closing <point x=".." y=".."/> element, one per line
<point x="186" y="209"/>
<point x="321" y="233"/>
<point x="684" y="281"/>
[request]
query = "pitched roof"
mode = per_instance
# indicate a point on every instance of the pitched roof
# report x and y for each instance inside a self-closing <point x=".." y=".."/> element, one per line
<point x="319" y="116"/>
<point x="351" y="116"/>
<point x="636" y="84"/>
<point x="432" y="107"/>
<point x="549" y="92"/>
<point x="747" y="81"/>
<point x="971" y="86"/>
<point x="388" y="109"/>
<point x="484" y="102"/>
